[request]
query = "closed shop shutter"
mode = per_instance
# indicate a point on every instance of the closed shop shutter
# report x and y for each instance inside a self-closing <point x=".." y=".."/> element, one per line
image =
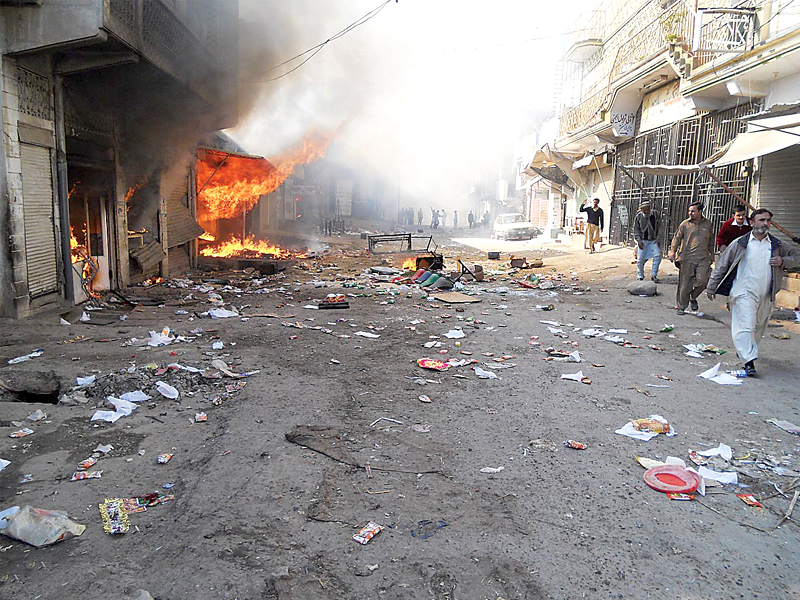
<point x="181" y="225"/>
<point x="780" y="179"/>
<point x="40" y="235"/>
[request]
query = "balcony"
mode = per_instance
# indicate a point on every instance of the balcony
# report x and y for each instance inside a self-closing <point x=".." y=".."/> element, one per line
<point x="588" y="112"/>
<point x="722" y="31"/>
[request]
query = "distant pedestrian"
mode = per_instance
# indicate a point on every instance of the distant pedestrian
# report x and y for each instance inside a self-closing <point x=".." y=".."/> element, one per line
<point x="434" y="215"/>
<point x="692" y="250"/>
<point x="485" y="220"/>
<point x="444" y="218"/>
<point x="594" y="224"/>
<point x="470" y="219"/>
<point x="733" y="228"/>
<point x="420" y="216"/>
<point x="455" y="219"/>
<point x="435" y="223"/>
<point x="645" y="231"/>
<point x="750" y="272"/>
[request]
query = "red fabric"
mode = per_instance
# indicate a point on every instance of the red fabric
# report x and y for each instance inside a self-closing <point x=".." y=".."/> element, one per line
<point x="729" y="232"/>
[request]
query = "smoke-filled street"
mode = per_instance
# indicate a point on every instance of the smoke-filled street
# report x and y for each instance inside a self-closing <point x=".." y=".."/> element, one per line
<point x="336" y="425"/>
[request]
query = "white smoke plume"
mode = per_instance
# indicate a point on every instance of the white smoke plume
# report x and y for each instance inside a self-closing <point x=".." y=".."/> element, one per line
<point x="429" y="95"/>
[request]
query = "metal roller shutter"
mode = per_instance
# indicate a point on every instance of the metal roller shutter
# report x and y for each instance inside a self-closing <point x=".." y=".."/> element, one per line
<point x="181" y="226"/>
<point x="40" y="235"/>
<point x="778" y="189"/>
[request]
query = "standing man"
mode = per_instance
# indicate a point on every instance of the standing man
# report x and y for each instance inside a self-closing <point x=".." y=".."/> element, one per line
<point x="420" y="216"/>
<point x="692" y="251"/>
<point x="645" y="231"/>
<point x="594" y="223"/>
<point x="749" y="272"/>
<point x="435" y="220"/>
<point x="470" y="219"/>
<point x="455" y="219"/>
<point x="486" y="217"/>
<point x="733" y="228"/>
<point x="444" y="219"/>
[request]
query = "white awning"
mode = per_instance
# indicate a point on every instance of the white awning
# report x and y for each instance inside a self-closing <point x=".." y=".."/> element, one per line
<point x="763" y="136"/>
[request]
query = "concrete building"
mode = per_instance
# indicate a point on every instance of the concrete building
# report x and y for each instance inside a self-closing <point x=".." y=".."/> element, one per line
<point x="672" y="82"/>
<point x="103" y="101"/>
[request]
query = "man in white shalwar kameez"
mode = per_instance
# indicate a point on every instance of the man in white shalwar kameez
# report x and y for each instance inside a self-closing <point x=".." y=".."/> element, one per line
<point x="751" y="268"/>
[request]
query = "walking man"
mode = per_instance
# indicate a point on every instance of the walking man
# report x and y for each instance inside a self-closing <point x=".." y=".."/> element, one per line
<point x="444" y="219"/>
<point x="594" y="223"/>
<point x="749" y="272"/>
<point x="470" y="219"/>
<point x="455" y="219"/>
<point x="645" y="231"/>
<point x="733" y="228"/>
<point x="420" y="216"/>
<point x="692" y="251"/>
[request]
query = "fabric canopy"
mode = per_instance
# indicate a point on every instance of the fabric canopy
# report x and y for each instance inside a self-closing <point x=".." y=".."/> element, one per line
<point x="545" y="155"/>
<point x="763" y="136"/>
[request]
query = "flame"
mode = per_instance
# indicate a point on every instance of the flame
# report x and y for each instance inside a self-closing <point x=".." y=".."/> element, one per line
<point x="410" y="264"/>
<point x="230" y="185"/>
<point x="141" y="231"/>
<point x="152" y="281"/>
<point x="77" y="251"/>
<point x="250" y="247"/>
<point x="207" y="237"/>
<point x="129" y="194"/>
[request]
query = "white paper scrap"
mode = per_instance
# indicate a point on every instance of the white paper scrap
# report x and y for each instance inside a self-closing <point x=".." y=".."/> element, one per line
<point x="104" y="448"/>
<point x="725" y="478"/>
<point x="628" y="430"/>
<point x="367" y="334"/>
<point x="167" y="390"/>
<point x="222" y="313"/>
<point x="137" y="396"/>
<point x="4" y="463"/>
<point x="555" y="330"/>
<point x="27" y="357"/>
<point x="123" y="406"/>
<point x="492" y="469"/>
<point x="86" y="380"/>
<point x="621" y="331"/>
<point x="593" y="332"/>
<point x="722" y="450"/>
<point x="455" y="334"/>
<point x="714" y="375"/>
<point x="63" y="321"/>
<point x="106" y="415"/>
<point x="574" y="376"/>
<point x="553" y="323"/>
<point x="483" y="374"/>
<point x="575" y="356"/>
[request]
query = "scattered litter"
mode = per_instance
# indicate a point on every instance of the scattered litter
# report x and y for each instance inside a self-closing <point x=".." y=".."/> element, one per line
<point x="105" y="448"/>
<point x="750" y="500"/>
<point x="39" y="527"/>
<point x="666" y="328"/>
<point x="87" y="463"/>
<point x="483" y="374"/>
<point x="785" y="425"/>
<point x="83" y="475"/>
<point x="672" y="479"/>
<point x="685" y="497"/>
<point x="84" y="381"/>
<point x="367" y="532"/>
<point x="137" y="396"/>
<point x="781" y="336"/>
<point x="222" y="313"/>
<point x="492" y="470"/>
<point x="646" y="429"/>
<point x="167" y="390"/>
<point x="85" y="318"/>
<point x="432" y="363"/>
<point x="63" y="321"/>
<point x="714" y="375"/>
<point x="26" y="357"/>
<point x="163" y="459"/>
<point x="455" y="334"/>
<point x="36" y="415"/>
<point x="379" y="419"/>
<point x="20" y="433"/>
<point x="114" y="515"/>
<point x="420" y="428"/>
<point x="4" y="463"/>
<point x="367" y="334"/>
<point x="619" y="331"/>
<point x="217" y="346"/>
<point x="200" y="417"/>
<point x="160" y="338"/>
<point x="724" y="478"/>
<point x="575" y="445"/>
<point x="425" y="399"/>
<point x="722" y="450"/>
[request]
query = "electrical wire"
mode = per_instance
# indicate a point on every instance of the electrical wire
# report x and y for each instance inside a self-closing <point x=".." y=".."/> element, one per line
<point x="314" y="50"/>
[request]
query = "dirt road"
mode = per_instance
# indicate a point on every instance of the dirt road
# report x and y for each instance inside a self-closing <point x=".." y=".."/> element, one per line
<point x="269" y="491"/>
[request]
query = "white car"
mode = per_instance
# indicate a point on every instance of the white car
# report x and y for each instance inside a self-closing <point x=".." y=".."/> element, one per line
<point x="513" y="226"/>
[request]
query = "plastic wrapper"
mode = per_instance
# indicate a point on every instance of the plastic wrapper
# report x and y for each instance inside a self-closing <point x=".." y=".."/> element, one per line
<point x="575" y="445"/>
<point x="114" y="515"/>
<point x="750" y="500"/>
<point x="81" y="475"/>
<point x="164" y="458"/>
<point x="20" y="433"/>
<point x="367" y="532"/>
<point x="39" y="527"/>
<point x="652" y="425"/>
<point x="87" y="464"/>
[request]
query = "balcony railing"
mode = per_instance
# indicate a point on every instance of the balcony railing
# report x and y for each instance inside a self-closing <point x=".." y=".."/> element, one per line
<point x="673" y="26"/>
<point x="722" y="31"/>
<point x="586" y="113"/>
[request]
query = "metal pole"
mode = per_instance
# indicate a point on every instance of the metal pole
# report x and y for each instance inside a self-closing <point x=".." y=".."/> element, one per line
<point x="795" y="239"/>
<point x="63" y="188"/>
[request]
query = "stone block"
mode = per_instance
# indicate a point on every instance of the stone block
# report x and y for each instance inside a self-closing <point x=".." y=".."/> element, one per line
<point x="643" y="288"/>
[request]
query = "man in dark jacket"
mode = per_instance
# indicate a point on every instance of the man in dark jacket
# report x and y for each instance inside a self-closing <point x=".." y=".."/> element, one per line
<point x="594" y="223"/>
<point x="750" y="272"/>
